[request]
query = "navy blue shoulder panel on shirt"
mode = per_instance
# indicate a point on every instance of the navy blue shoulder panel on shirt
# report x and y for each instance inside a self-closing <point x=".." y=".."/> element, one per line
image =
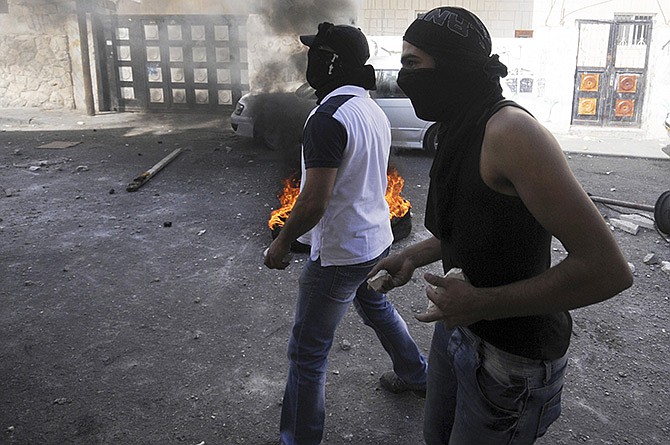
<point x="332" y="104"/>
<point x="324" y="137"/>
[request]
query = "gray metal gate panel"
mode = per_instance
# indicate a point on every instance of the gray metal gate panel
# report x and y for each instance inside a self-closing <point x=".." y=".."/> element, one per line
<point x="177" y="63"/>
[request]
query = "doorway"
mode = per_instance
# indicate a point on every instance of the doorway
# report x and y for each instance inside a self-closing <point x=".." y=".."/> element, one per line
<point x="611" y="71"/>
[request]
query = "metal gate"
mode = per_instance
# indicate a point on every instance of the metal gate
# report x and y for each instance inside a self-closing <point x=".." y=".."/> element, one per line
<point x="611" y="72"/>
<point x="175" y="63"/>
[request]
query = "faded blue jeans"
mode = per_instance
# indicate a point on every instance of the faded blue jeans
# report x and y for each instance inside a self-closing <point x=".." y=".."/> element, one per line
<point x="480" y="395"/>
<point x="324" y="295"/>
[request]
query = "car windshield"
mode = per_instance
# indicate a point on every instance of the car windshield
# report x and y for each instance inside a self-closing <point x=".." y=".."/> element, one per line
<point x="387" y="87"/>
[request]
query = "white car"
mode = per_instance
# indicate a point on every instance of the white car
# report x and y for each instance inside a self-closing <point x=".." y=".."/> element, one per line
<point x="277" y="118"/>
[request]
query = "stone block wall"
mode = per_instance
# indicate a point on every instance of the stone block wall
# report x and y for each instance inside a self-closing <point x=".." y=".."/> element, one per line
<point x="35" y="71"/>
<point x="35" y="62"/>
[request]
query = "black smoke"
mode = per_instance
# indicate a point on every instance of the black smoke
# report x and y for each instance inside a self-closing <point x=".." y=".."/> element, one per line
<point x="295" y="17"/>
<point x="285" y="21"/>
<point x="278" y="113"/>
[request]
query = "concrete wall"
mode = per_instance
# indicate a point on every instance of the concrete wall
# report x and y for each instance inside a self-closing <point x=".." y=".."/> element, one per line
<point x="182" y="7"/>
<point x="567" y="11"/>
<point x="391" y="17"/>
<point x="35" y="55"/>
<point x="556" y="31"/>
<point x="551" y="69"/>
<point x="549" y="57"/>
<point x="658" y="86"/>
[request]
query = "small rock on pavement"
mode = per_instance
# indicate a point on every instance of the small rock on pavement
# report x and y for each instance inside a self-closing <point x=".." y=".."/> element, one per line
<point x="651" y="259"/>
<point x="640" y="220"/>
<point x="665" y="267"/>
<point x="625" y="226"/>
<point x="345" y="345"/>
<point x="81" y="168"/>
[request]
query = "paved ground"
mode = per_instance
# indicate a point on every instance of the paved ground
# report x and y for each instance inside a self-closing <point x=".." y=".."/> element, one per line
<point x="147" y="317"/>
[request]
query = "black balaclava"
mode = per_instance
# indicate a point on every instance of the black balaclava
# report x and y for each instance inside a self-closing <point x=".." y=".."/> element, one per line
<point x="464" y="69"/>
<point x="460" y="93"/>
<point x="336" y="57"/>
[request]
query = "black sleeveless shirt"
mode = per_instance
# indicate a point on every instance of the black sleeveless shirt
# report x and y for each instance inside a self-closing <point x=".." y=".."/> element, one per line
<point x="496" y="241"/>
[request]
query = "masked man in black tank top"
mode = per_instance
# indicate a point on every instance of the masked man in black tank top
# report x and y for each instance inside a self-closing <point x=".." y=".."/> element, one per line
<point x="500" y="189"/>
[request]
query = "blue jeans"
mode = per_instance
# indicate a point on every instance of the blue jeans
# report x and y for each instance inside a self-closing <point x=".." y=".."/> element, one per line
<point x="324" y="295"/>
<point x="478" y="394"/>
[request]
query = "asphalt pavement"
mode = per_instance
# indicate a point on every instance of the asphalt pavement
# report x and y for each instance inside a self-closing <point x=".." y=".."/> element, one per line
<point x="584" y="140"/>
<point x="148" y="317"/>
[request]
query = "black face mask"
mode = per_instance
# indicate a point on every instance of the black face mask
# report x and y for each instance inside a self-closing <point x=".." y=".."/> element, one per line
<point x="436" y="95"/>
<point x="327" y="71"/>
<point x="322" y="68"/>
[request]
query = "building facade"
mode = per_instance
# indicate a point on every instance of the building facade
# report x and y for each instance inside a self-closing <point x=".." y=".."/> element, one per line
<point x="575" y="64"/>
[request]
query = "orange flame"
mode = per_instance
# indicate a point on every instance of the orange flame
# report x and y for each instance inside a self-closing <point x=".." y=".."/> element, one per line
<point x="398" y="206"/>
<point x="287" y="199"/>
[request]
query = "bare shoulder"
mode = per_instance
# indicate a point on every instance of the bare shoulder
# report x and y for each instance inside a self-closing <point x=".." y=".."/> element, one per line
<point x="512" y="124"/>
<point x="514" y="144"/>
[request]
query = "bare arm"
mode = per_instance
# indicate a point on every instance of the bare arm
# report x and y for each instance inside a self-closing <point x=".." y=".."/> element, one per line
<point x="520" y="157"/>
<point x="401" y="266"/>
<point x="306" y="213"/>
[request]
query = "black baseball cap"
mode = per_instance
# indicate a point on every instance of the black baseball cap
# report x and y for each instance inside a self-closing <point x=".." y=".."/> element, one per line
<point x="348" y="42"/>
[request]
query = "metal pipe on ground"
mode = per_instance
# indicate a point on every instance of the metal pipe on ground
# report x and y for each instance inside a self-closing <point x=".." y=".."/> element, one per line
<point x="145" y="176"/>
<point x="661" y="209"/>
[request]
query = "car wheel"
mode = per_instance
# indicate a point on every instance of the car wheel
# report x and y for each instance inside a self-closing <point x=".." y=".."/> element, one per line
<point x="280" y="134"/>
<point x="265" y="133"/>
<point x="430" y="140"/>
<point x="272" y="140"/>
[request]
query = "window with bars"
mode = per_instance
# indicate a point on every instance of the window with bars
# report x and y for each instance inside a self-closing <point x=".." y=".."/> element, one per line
<point x="631" y="34"/>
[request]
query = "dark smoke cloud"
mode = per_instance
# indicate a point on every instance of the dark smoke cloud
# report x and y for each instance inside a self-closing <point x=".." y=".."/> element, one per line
<point x="279" y="118"/>
<point x="278" y="112"/>
<point x="303" y="16"/>
<point x="274" y="74"/>
<point x="285" y="57"/>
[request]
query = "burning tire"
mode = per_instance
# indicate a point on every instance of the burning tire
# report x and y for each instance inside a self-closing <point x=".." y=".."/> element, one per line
<point x="662" y="212"/>
<point x="399" y="208"/>
<point x="401" y="226"/>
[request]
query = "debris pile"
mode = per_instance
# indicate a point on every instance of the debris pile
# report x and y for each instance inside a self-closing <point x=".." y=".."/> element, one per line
<point x="632" y="223"/>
